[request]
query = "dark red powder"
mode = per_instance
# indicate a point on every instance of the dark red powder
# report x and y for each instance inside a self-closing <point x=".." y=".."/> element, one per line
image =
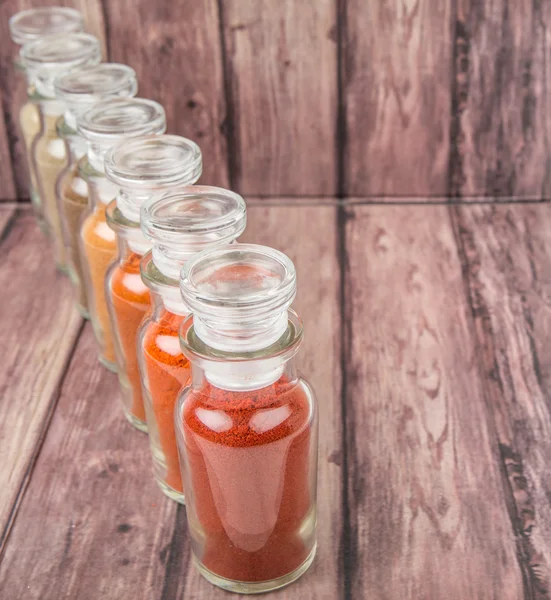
<point x="248" y="460"/>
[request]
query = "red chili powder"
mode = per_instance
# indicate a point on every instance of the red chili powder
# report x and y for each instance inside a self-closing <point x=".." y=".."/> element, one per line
<point x="247" y="458"/>
<point x="131" y="301"/>
<point x="167" y="372"/>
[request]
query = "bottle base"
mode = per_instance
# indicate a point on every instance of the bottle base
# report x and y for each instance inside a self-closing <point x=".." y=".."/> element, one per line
<point x="110" y="366"/>
<point x="171" y="492"/>
<point x="258" y="587"/>
<point x="139" y="425"/>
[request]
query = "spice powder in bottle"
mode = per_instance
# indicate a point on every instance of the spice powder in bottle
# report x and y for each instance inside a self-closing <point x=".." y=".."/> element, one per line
<point x="180" y="223"/>
<point x="27" y="26"/>
<point x="247" y="423"/>
<point x="79" y="90"/>
<point x="44" y="60"/>
<point x="140" y="169"/>
<point x="103" y="126"/>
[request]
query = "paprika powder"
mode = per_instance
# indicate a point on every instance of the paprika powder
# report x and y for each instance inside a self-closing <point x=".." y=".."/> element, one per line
<point x="103" y="126"/>
<point x="139" y="168"/>
<point x="179" y="223"/>
<point x="246" y="423"/>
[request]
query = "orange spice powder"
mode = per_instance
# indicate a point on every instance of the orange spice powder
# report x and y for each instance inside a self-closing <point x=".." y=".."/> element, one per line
<point x="131" y="300"/>
<point x="167" y="371"/>
<point x="100" y="248"/>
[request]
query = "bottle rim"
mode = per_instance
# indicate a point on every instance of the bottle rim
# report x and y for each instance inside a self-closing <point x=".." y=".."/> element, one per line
<point x="239" y="281"/>
<point x="110" y="121"/>
<point x="91" y="83"/>
<point x="34" y="23"/>
<point x="56" y="53"/>
<point x="154" y="161"/>
<point x="197" y="216"/>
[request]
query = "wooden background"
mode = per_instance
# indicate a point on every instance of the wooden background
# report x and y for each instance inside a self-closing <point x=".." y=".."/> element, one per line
<point x="386" y="98"/>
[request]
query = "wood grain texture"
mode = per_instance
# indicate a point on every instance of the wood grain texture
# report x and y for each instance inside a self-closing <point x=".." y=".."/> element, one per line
<point x="176" y="50"/>
<point x="93" y="523"/>
<point x="281" y="70"/>
<point x="502" y="100"/>
<point x="12" y="83"/>
<point x="38" y="328"/>
<point x="426" y="509"/>
<point x="507" y="261"/>
<point x="396" y="64"/>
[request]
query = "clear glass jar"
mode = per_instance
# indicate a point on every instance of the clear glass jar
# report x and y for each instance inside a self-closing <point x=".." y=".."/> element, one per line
<point x="139" y="168"/>
<point x="44" y="60"/>
<point x="27" y="26"/>
<point x="79" y="90"/>
<point x="180" y="223"/>
<point x="246" y="423"/>
<point x="103" y="126"/>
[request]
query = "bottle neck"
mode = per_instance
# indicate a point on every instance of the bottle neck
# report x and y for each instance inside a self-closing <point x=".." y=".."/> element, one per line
<point x="247" y="376"/>
<point x="249" y="335"/>
<point x="101" y="190"/>
<point x="239" y="370"/>
<point x="133" y="241"/>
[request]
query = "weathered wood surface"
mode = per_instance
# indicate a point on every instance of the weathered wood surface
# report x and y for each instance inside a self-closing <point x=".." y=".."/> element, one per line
<point x="93" y="522"/>
<point x="373" y="99"/>
<point x="502" y="101"/>
<point x="13" y="89"/>
<point x="427" y="514"/>
<point x="38" y="329"/>
<point x="435" y="438"/>
<point x="175" y="48"/>
<point x="396" y="81"/>
<point x="281" y="68"/>
<point x="506" y="253"/>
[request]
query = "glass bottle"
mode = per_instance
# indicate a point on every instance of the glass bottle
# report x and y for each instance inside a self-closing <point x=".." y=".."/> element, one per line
<point x="180" y="223"/>
<point x="44" y="60"/>
<point x="246" y="423"/>
<point x="79" y="90"/>
<point x="27" y="26"/>
<point x="103" y="126"/>
<point x="139" y="168"/>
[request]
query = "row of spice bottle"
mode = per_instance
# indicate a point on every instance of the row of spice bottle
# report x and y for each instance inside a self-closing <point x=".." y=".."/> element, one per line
<point x="198" y="326"/>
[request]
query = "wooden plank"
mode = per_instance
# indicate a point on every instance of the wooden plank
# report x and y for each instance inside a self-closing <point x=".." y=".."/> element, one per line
<point x="38" y="328"/>
<point x="396" y="90"/>
<point x="502" y="101"/>
<point x="427" y="516"/>
<point x="281" y="68"/>
<point x="13" y="86"/>
<point x="93" y="523"/>
<point x="507" y="262"/>
<point x="175" y="49"/>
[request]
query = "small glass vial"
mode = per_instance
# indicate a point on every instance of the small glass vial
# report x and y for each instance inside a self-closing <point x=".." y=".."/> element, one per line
<point x="103" y="126"/>
<point x="27" y="26"/>
<point x="140" y="168"/>
<point x="44" y="60"/>
<point x="79" y="90"/>
<point x="180" y="223"/>
<point x="246" y="423"/>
